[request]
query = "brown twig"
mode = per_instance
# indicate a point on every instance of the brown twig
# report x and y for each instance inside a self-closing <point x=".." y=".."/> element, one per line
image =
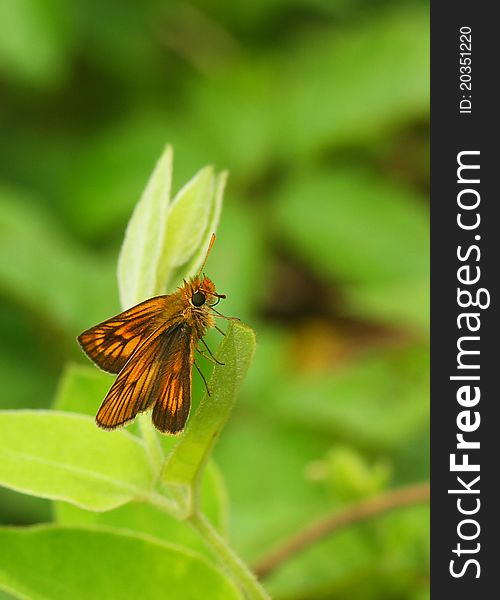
<point x="412" y="494"/>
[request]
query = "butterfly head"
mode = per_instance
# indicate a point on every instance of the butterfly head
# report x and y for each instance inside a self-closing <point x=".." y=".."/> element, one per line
<point x="200" y="292"/>
<point x="203" y="293"/>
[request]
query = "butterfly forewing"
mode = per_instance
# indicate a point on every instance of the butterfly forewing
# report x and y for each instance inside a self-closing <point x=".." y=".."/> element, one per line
<point x="111" y="343"/>
<point x="150" y="378"/>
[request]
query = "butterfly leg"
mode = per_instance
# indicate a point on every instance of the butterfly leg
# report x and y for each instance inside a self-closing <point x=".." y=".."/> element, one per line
<point x="219" y="330"/>
<point x="212" y="357"/>
<point x="212" y="360"/>
<point x="203" y="377"/>
<point x="219" y="315"/>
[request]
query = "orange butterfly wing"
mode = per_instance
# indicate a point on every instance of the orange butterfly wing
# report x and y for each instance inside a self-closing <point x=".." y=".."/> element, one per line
<point x="111" y="343"/>
<point x="158" y="374"/>
<point x="171" y="409"/>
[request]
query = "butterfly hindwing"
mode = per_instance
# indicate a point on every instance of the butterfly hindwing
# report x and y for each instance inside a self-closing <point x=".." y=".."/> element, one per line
<point x="158" y="374"/>
<point x="171" y="409"/>
<point x="111" y="343"/>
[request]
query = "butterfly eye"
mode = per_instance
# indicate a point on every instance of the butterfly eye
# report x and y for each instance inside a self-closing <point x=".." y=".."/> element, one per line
<point x="198" y="299"/>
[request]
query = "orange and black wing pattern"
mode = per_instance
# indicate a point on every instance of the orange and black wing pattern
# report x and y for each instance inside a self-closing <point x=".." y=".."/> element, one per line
<point x="171" y="409"/>
<point x="111" y="343"/>
<point x="157" y="375"/>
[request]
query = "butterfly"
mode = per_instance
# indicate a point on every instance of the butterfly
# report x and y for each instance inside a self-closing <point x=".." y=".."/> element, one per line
<point x="151" y="347"/>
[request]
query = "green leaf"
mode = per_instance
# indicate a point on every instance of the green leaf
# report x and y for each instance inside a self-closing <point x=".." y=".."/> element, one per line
<point x="187" y="222"/>
<point x="66" y="457"/>
<point x="190" y="268"/>
<point x="146" y="518"/>
<point x="184" y="466"/>
<point x="165" y="240"/>
<point x="140" y="252"/>
<point x="81" y="389"/>
<point x="62" y="563"/>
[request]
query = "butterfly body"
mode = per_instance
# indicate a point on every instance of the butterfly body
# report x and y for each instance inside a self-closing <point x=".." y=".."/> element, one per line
<point x="151" y="347"/>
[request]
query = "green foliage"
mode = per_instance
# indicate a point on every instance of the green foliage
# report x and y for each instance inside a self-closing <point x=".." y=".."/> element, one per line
<point x="28" y="24"/>
<point x="142" y="246"/>
<point x="69" y="458"/>
<point x="184" y="465"/>
<point x="143" y="517"/>
<point x="50" y="276"/>
<point x="110" y="564"/>
<point x="164" y="237"/>
<point x="320" y="112"/>
<point x="348" y="476"/>
<point x="81" y="390"/>
<point x="383" y="559"/>
<point x="383" y="257"/>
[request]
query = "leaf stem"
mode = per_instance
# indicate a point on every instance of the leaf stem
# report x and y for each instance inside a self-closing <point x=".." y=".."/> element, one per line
<point x="228" y="558"/>
<point x="164" y="504"/>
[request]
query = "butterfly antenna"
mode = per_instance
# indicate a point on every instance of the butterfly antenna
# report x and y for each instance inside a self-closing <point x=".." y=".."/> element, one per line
<point x="212" y="240"/>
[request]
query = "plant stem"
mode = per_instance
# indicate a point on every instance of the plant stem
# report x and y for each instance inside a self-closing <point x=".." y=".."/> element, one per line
<point x="228" y="558"/>
<point x="366" y="509"/>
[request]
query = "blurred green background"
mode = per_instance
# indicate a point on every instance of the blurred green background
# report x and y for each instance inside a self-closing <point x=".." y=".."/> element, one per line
<point x="319" y="109"/>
